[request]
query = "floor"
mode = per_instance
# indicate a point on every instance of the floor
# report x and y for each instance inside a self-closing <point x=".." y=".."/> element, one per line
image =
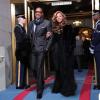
<point x="84" y="91"/>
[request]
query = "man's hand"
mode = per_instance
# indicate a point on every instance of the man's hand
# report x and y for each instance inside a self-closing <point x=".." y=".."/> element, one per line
<point x="48" y="34"/>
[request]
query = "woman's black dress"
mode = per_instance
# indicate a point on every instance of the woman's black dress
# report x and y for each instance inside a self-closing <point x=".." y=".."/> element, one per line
<point x="63" y="58"/>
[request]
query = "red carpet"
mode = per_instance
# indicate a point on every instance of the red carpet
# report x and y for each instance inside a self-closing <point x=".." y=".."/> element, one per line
<point x="22" y="95"/>
<point x="84" y="94"/>
<point x="86" y="89"/>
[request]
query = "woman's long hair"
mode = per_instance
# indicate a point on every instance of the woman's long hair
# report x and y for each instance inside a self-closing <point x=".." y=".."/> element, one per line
<point x="57" y="26"/>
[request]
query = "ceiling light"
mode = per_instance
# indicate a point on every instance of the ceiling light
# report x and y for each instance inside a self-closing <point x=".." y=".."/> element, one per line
<point x="61" y="3"/>
<point x="77" y="23"/>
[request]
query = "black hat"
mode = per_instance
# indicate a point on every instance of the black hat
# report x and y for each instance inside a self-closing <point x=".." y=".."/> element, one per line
<point x="96" y="12"/>
<point x="20" y="16"/>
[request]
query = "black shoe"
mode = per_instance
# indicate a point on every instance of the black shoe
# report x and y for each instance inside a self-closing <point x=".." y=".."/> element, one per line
<point x="19" y="87"/>
<point x="97" y="87"/>
<point x="26" y="86"/>
<point x="79" y="70"/>
<point x="68" y="94"/>
<point x="56" y="87"/>
<point x="55" y="90"/>
<point x="39" y="95"/>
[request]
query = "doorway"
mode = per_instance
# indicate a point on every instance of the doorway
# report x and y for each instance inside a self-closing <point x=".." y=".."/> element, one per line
<point x="78" y="14"/>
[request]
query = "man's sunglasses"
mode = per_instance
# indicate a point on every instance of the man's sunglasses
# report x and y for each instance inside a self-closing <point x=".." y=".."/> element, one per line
<point x="38" y="12"/>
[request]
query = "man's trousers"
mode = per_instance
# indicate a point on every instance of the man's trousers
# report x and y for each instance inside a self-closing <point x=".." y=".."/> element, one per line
<point x="37" y="65"/>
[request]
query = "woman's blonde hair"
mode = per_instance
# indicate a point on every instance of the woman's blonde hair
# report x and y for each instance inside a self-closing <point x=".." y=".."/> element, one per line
<point x="57" y="25"/>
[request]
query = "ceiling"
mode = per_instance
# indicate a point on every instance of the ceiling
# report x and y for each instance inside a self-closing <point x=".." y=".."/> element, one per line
<point x="22" y="1"/>
<point x="79" y="8"/>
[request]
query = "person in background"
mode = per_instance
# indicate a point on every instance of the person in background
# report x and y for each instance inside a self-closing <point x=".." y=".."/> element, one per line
<point x="95" y="45"/>
<point x="21" y="52"/>
<point x="40" y="34"/>
<point x="63" y="55"/>
<point x="78" y="52"/>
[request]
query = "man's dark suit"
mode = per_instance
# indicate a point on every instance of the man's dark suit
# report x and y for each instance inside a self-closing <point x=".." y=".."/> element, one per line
<point x="39" y="45"/>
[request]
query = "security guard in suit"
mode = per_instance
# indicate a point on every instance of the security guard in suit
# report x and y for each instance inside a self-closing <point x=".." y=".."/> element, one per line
<point x="96" y="45"/>
<point x="40" y="33"/>
<point x="21" y="52"/>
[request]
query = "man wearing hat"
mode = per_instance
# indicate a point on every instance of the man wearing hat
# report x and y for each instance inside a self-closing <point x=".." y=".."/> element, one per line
<point x="21" y="52"/>
<point x="96" y="45"/>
